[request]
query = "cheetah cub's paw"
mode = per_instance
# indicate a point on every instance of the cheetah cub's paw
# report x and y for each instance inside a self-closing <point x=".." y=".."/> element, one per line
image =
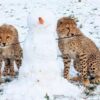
<point x="86" y="82"/>
<point x="96" y="80"/>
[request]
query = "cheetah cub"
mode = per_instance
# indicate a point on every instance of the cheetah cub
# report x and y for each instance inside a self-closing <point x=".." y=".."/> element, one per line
<point x="74" y="45"/>
<point x="10" y="49"/>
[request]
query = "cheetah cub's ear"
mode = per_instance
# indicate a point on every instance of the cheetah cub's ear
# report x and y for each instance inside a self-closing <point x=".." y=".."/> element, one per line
<point x="13" y="29"/>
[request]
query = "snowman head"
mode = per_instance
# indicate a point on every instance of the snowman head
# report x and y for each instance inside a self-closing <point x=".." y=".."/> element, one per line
<point x="40" y="17"/>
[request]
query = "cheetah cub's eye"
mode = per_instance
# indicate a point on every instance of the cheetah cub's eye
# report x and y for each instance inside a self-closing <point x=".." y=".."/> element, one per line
<point x="8" y="37"/>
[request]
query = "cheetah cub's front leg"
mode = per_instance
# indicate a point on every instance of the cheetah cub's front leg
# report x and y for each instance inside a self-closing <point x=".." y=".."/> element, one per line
<point x="9" y="68"/>
<point x="84" y="71"/>
<point x="6" y="68"/>
<point x="12" y="70"/>
<point x="78" y="69"/>
<point x="67" y="61"/>
<point x="80" y="65"/>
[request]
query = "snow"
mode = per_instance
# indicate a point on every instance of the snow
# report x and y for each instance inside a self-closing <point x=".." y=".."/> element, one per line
<point x="41" y="73"/>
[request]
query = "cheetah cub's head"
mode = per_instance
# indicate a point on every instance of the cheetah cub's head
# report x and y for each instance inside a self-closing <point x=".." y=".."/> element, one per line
<point x="8" y="35"/>
<point x="66" y="27"/>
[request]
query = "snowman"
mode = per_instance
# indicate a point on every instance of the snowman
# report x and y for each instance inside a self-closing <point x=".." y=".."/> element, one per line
<point x="40" y="47"/>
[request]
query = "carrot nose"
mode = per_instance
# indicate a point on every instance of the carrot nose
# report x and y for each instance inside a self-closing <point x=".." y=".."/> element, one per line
<point x="41" y="21"/>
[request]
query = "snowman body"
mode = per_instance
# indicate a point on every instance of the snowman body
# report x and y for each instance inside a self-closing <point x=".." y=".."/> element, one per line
<point x="40" y="48"/>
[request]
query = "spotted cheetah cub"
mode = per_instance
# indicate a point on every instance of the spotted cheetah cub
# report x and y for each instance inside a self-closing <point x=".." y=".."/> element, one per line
<point x="10" y="49"/>
<point x="74" y="45"/>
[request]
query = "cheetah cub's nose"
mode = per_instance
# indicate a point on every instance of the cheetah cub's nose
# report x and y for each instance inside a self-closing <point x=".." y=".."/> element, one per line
<point x="4" y="44"/>
<point x="41" y="20"/>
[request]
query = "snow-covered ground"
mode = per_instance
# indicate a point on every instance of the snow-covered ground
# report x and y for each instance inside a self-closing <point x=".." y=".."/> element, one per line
<point x="40" y="76"/>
